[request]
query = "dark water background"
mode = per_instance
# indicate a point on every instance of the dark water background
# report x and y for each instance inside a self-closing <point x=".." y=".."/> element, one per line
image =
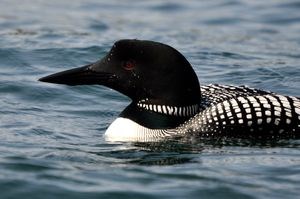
<point x="51" y="136"/>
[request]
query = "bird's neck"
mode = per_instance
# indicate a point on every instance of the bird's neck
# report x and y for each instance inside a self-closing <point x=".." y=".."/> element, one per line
<point x="156" y="116"/>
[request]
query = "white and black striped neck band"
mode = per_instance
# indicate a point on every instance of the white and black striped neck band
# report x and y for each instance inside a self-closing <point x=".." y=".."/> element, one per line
<point x="182" y="111"/>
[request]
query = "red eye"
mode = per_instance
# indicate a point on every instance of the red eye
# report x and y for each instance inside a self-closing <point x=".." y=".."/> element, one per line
<point x="129" y="65"/>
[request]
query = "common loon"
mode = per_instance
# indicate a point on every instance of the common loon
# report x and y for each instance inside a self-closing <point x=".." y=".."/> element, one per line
<point x="167" y="99"/>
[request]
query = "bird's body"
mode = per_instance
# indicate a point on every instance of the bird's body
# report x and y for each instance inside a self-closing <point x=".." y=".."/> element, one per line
<point x="167" y="99"/>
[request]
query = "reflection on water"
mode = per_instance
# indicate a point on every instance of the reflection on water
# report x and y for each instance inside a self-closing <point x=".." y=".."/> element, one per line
<point x="181" y="151"/>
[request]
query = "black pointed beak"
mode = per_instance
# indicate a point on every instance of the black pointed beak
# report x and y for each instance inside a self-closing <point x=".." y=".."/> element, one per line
<point x="79" y="76"/>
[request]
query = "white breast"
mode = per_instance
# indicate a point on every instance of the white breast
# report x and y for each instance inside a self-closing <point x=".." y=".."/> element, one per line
<point x="126" y="130"/>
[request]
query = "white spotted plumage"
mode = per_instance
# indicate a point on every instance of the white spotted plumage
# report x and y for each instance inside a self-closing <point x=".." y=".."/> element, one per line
<point x="263" y="110"/>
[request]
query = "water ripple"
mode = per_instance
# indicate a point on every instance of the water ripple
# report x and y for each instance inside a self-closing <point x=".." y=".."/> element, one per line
<point x="51" y="136"/>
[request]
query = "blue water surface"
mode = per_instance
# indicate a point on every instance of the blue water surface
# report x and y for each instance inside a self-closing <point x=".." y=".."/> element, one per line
<point x="51" y="136"/>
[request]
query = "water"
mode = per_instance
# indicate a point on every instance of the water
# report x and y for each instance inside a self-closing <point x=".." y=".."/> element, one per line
<point x="51" y="136"/>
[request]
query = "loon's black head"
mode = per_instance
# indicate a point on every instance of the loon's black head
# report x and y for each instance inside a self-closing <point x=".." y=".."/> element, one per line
<point x="146" y="71"/>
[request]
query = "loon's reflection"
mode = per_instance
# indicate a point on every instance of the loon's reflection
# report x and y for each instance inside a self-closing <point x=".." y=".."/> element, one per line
<point x="184" y="150"/>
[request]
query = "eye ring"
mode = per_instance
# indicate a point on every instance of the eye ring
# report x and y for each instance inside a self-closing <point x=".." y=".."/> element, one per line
<point x="129" y="64"/>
